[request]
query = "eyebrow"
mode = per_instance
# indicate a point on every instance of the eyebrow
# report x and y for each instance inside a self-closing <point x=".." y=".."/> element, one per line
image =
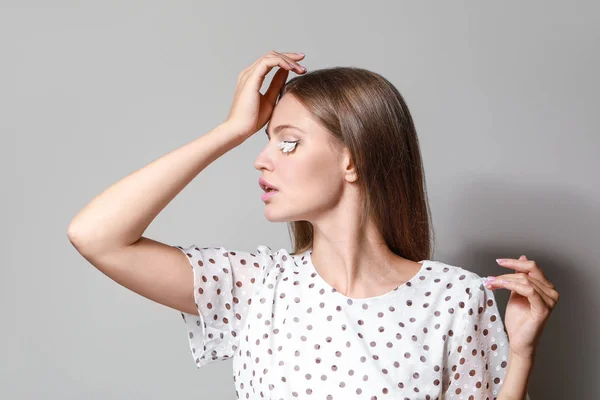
<point x="284" y="126"/>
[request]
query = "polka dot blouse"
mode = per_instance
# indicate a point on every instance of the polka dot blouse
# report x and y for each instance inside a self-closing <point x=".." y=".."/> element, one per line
<point x="291" y="335"/>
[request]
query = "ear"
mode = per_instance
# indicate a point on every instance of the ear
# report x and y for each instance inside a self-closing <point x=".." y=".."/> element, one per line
<point x="349" y="166"/>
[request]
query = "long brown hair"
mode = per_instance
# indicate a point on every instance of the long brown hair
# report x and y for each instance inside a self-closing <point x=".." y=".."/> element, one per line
<point x="364" y="112"/>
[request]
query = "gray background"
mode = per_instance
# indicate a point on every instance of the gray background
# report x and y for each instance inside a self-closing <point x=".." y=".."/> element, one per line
<point x="504" y="98"/>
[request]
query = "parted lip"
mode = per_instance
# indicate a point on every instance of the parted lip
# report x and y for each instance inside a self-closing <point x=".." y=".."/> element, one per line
<point x="264" y="184"/>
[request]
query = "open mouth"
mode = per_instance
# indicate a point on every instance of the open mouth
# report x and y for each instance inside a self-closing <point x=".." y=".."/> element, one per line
<point x="268" y="190"/>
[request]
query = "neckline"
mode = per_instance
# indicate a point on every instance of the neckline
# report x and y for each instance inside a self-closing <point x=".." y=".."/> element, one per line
<point x="396" y="290"/>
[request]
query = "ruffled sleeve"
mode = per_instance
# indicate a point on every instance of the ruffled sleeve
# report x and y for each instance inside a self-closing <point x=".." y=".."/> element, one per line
<point x="224" y="284"/>
<point x="478" y="357"/>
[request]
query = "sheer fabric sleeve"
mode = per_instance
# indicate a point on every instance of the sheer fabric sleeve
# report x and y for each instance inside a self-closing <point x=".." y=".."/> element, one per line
<point x="478" y="357"/>
<point x="224" y="283"/>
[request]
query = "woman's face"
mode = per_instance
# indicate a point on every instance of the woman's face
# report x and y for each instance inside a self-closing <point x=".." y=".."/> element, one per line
<point x="309" y="178"/>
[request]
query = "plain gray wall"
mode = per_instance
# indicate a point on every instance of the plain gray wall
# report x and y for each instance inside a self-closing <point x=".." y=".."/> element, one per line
<point x="504" y="98"/>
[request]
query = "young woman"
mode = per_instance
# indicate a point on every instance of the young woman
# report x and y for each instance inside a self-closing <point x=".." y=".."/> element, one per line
<point x="358" y="309"/>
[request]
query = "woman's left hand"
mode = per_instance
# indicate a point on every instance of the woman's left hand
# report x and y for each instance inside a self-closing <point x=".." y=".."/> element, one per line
<point x="532" y="299"/>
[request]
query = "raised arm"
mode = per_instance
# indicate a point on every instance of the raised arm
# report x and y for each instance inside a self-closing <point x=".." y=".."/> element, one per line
<point x="108" y="231"/>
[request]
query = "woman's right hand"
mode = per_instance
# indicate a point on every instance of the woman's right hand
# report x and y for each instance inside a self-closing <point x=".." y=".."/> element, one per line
<point x="251" y="110"/>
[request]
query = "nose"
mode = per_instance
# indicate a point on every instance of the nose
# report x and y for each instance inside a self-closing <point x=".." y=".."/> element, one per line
<point x="264" y="160"/>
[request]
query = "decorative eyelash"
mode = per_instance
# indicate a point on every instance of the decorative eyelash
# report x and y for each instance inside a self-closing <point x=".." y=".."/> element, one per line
<point x="288" y="146"/>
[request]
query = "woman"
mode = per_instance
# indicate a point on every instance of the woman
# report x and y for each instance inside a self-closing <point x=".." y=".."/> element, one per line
<point x="351" y="312"/>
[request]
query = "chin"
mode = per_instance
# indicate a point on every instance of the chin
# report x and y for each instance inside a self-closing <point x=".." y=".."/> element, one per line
<point x="272" y="217"/>
<point x="273" y="213"/>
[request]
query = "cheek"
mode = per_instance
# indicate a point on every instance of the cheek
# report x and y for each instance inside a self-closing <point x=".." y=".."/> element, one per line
<point x="314" y="177"/>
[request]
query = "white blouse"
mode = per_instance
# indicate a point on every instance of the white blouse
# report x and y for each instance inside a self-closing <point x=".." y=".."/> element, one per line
<point x="291" y="335"/>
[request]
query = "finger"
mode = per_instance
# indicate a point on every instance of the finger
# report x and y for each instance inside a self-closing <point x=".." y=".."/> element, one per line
<point x="276" y="84"/>
<point x="291" y="60"/>
<point x="257" y="76"/>
<point x="524" y="282"/>
<point x="549" y="293"/>
<point x="295" y="66"/>
<point x="523" y="278"/>
<point x="295" y="56"/>
<point x="538" y="273"/>
<point x="288" y="57"/>
<point x="246" y="73"/>
<point x="536" y="302"/>
<point x="543" y="290"/>
<point x="526" y="266"/>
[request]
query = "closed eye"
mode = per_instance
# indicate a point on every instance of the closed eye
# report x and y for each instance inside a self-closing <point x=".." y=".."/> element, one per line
<point x="288" y="146"/>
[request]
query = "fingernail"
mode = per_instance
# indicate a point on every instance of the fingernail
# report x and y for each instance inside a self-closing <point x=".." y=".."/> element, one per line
<point x="300" y="54"/>
<point x="491" y="278"/>
<point x="500" y="260"/>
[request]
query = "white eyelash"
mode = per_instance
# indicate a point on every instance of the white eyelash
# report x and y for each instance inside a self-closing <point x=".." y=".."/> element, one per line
<point x="287" y="146"/>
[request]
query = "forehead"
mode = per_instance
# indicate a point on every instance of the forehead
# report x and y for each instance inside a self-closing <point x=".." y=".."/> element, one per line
<point x="289" y="111"/>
